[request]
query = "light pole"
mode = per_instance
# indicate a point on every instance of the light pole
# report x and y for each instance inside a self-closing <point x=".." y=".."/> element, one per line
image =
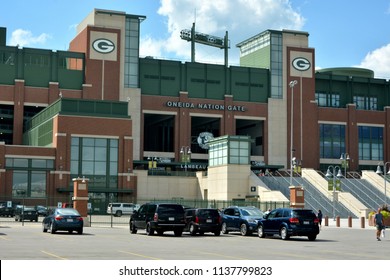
<point x="345" y="162"/>
<point x="185" y="153"/>
<point x="292" y="84"/>
<point x="332" y="174"/>
<point x="379" y="171"/>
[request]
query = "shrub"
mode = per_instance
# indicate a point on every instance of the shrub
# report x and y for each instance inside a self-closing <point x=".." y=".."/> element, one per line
<point x="385" y="211"/>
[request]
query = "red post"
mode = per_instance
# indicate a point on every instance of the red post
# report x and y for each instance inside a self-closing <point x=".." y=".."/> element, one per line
<point x="362" y="225"/>
<point x="338" y="221"/>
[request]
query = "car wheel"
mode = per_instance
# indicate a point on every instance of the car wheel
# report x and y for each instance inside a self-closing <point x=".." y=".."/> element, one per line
<point x="283" y="233"/>
<point x="80" y="231"/>
<point x="312" y="237"/>
<point x="224" y="229"/>
<point x="260" y="231"/>
<point x="52" y="228"/>
<point x="118" y="213"/>
<point x="44" y="229"/>
<point x="178" y="232"/>
<point x="244" y="230"/>
<point x="149" y="231"/>
<point x="133" y="229"/>
<point x="193" y="229"/>
<point x="217" y="233"/>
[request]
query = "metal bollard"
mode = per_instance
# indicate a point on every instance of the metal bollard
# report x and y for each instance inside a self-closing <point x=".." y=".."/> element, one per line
<point x="326" y="221"/>
<point x="337" y="221"/>
<point x="349" y="221"/>
<point x="362" y="222"/>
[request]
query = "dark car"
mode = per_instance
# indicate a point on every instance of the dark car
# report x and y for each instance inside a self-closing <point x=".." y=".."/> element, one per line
<point x="241" y="218"/>
<point x="63" y="219"/>
<point x="42" y="210"/>
<point x="7" y="208"/>
<point x="288" y="222"/>
<point x="159" y="217"/>
<point x="203" y="220"/>
<point x="23" y="213"/>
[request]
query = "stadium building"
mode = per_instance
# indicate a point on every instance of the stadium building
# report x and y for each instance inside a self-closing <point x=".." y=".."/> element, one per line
<point x="146" y="128"/>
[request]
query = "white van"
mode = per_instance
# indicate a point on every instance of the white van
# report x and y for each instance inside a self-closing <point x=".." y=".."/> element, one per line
<point x="118" y="208"/>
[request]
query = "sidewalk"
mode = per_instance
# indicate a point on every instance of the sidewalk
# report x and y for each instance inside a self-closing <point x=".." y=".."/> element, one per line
<point x="344" y="223"/>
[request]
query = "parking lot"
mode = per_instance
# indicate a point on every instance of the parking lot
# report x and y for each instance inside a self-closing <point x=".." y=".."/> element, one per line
<point x="105" y="241"/>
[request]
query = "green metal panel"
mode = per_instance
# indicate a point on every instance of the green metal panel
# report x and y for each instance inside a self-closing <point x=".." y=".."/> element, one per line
<point x="3" y="36"/>
<point x="80" y="107"/>
<point x="39" y="67"/>
<point x="350" y="86"/>
<point x="170" y="78"/>
<point x="8" y="66"/>
<point x="196" y="79"/>
<point x="215" y="81"/>
<point x="250" y="84"/>
<point x="207" y="81"/>
<point x="41" y="135"/>
<point x="149" y="76"/>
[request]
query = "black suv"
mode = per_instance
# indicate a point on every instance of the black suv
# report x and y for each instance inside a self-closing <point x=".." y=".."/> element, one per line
<point x="203" y="220"/>
<point x="7" y="209"/>
<point x="288" y="222"/>
<point x="241" y="218"/>
<point x="159" y="217"/>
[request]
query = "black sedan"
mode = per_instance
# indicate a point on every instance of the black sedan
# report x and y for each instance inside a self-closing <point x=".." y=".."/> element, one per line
<point x="23" y="213"/>
<point x="42" y="210"/>
<point x="64" y="219"/>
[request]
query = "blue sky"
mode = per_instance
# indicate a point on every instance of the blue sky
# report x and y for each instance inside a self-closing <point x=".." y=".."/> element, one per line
<point x="344" y="32"/>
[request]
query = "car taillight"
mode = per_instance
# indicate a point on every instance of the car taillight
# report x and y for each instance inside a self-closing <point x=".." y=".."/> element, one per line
<point x="219" y="219"/>
<point x="316" y="220"/>
<point x="58" y="218"/>
<point x="155" y="218"/>
<point x="294" y="220"/>
<point x="197" y="219"/>
<point x="80" y="218"/>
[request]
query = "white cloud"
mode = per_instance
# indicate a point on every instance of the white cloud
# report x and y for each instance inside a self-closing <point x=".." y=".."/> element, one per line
<point x="378" y="61"/>
<point x="25" y="38"/>
<point x="242" y="19"/>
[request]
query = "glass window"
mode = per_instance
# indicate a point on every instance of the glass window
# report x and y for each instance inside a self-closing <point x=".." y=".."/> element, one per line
<point x="20" y="162"/>
<point x="370" y="143"/>
<point x="20" y="184"/>
<point x="99" y="158"/>
<point x="332" y="140"/>
<point x="38" y="184"/>
<point x="38" y="163"/>
<point x="328" y="100"/>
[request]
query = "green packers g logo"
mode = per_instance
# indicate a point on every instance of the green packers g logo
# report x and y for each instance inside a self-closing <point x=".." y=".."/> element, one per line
<point x="104" y="46"/>
<point x="301" y="64"/>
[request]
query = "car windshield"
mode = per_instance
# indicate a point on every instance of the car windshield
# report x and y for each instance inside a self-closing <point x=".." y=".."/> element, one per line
<point x="252" y="212"/>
